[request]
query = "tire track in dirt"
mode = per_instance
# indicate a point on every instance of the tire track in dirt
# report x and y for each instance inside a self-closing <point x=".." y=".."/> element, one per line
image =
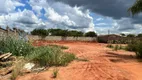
<point x="97" y="68"/>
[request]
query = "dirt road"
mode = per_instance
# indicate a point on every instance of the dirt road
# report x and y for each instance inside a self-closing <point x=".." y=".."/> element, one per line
<point x="103" y="64"/>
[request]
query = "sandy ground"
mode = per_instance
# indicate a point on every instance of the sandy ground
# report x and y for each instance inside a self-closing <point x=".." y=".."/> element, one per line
<point x="103" y="64"/>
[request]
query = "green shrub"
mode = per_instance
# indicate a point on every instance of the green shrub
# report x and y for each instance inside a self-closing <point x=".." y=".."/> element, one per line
<point x="15" y="46"/>
<point x="50" y="56"/>
<point x="116" y="47"/>
<point x="136" y="47"/>
<point x="110" y="46"/>
<point x="139" y="49"/>
<point x="55" y="73"/>
<point x="131" y="47"/>
<point x="18" y="66"/>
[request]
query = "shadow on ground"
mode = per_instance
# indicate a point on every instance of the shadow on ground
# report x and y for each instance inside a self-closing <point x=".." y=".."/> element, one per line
<point x="117" y="57"/>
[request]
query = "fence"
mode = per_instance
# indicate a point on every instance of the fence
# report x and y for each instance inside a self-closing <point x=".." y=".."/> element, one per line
<point x="8" y="32"/>
<point x="15" y="33"/>
<point x="59" y="38"/>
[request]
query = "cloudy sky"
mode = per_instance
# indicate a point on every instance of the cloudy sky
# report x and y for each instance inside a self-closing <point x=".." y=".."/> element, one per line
<point x="83" y="15"/>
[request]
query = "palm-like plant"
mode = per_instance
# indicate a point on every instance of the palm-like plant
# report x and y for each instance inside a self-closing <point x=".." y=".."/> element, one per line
<point x="136" y="8"/>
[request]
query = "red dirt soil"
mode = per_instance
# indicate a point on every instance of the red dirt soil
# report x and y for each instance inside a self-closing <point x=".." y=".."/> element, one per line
<point x="103" y="64"/>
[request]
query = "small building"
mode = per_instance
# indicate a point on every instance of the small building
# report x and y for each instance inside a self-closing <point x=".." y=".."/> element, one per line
<point x="107" y="38"/>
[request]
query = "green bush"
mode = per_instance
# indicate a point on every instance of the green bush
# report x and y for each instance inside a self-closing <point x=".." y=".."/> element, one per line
<point x="50" y="56"/>
<point x="55" y="73"/>
<point x="110" y="46"/>
<point x="132" y="45"/>
<point x="135" y="46"/>
<point x="116" y="47"/>
<point x="139" y="50"/>
<point x="15" y="46"/>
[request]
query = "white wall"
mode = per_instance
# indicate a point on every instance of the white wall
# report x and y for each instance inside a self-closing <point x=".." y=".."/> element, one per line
<point x="59" y="38"/>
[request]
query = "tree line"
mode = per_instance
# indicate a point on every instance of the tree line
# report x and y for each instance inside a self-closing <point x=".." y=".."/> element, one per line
<point x="131" y="35"/>
<point x="64" y="33"/>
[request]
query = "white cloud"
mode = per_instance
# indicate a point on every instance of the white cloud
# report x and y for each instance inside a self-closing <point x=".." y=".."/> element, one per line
<point x="99" y="19"/>
<point x="101" y="24"/>
<point x="7" y="6"/>
<point x="64" y="16"/>
<point x="23" y="20"/>
<point x="60" y="15"/>
<point x="55" y="17"/>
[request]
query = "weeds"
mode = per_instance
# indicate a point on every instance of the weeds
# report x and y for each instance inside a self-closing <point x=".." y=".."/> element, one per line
<point x="15" y="46"/>
<point x="55" y="73"/>
<point x="17" y="69"/>
<point x="50" y="56"/>
<point x="116" y="47"/>
<point x="110" y="46"/>
<point x="135" y="46"/>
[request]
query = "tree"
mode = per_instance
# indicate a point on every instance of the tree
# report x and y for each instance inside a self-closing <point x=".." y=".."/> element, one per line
<point x="90" y="34"/>
<point x="123" y="35"/>
<point x="40" y="32"/>
<point x="130" y="35"/>
<point x="75" y="33"/>
<point x="136" y="8"/>
<point x="79" y="34"/>
<point x="139" y="35"/>
<point x="58" y="32"/>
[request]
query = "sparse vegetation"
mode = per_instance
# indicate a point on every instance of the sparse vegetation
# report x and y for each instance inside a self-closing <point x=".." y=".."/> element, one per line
<point x="50" y="56"/>
<point x="139" y="35"/>
<point x="110" y="46"/>
<point x="55" y="73"/>
<point x="116" y="47"/>
<point x="17" y="69"/>
<point x="15" y="46"/>
<point x="135" y="46"/>
<point x="131" y="35"/>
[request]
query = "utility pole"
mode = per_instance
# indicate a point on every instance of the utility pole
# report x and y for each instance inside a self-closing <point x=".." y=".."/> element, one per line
<point x="108" y="35"/>
<point x="108" y="32"/>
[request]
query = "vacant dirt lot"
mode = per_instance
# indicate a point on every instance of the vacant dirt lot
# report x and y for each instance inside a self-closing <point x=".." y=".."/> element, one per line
<point x="103" y="64"/>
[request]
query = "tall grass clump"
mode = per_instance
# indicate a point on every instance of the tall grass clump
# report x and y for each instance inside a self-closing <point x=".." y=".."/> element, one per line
<point x="50" y="56"/>
<point x="18" y="66"/>
<point x="110" y="46"/>
<point x="15" y="46"/>
<point x="55" y="73"/>
<point x="132" y="46"/>
<point x="135" y="46"/>
<point x="116" y="47"/>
